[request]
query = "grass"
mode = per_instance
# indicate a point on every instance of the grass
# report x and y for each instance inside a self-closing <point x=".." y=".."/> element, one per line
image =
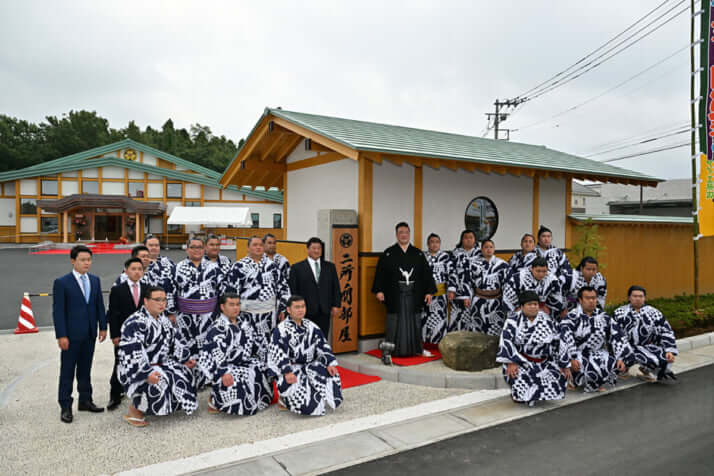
<point x="679" y="313"/>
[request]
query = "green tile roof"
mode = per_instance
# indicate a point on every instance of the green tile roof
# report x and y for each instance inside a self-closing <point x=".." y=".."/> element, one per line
<point x="87" y="159"/>
<point x="630" y="218"/>
<point x="385" y="138"/>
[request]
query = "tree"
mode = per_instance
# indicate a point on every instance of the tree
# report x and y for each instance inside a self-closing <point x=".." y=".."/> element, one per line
<point x="589" y="242"/>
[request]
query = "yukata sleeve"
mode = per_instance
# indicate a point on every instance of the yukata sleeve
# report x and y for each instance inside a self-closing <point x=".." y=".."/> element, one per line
<point x="231" y="281"/>
<point x="212" y="358"/>
<point x="510" y="294"/>
<point x="322" y="348"/>
<point x="564" y="264"/>
<point x="602" y="294"/>
<point x="282" y="291"/>
<point x="452" y="276"/>
<point x="134" y="365"/>
<point x="666" y="335"/>
<point x="171" y="287"/>
<point x="278" y="355"/>
<point x="555" y="298"/>
<point x="507" y="350"/>
<point x="619" y="346"/>
<point x="567" y="350"/>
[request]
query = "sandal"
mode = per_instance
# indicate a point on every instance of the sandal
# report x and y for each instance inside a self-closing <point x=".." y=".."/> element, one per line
<point x="281" y="405"/>
<point x="212" y="409"/>
<point x="137" y="422"/>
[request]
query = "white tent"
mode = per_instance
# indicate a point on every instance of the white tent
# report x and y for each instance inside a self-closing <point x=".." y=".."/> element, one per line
<point x="211" y="216"/>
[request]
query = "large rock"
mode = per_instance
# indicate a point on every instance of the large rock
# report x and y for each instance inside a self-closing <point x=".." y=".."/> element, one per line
<point x="464" y="350"/>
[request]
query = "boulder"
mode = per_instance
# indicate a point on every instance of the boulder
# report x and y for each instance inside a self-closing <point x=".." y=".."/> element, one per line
<point x="464" y="350"/>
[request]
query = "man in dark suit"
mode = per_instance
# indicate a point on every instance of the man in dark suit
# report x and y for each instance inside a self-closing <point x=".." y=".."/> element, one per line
<point x="124" y="300"/>
<point x="316" y="280"/>
<point x="77" y="309"/>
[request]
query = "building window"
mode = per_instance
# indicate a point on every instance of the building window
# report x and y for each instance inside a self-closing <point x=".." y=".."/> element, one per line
<point x="255" y="218"/>
<point x="482" y="218"/>
<point x="174" y="229"/>
<point x="28" y="206"/>
<point x="277" y="220"/>
<point x="90" y="186"/>
<point x="192" y="204"/>
<point x="136" y="189"/>
<point x="173" y="190"/>
<point x="49" y="187"/>
<point x="49" y="225"/>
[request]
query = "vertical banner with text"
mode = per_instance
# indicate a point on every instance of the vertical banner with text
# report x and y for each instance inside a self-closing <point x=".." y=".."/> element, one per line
<point x="706" y="196"/>
<point x="706" y="171"/>
<point x="345" y="251"/>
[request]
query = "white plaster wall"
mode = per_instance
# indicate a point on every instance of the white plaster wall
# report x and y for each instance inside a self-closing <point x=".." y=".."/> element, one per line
<point x="170" y="206"/>
<point x="332" y="185"/>
<point x="28" y="225"/>
<point x="448" y="193"/>
<point x="156" y="225"/>
<point x="156" y="190"/>
<point x="9" y="188"/>
<point x="69" y="174"/>
<point x="135" y="174"/>
<point x="113" y="172"/>
<point x="155" y="177"/>
<point x="113" y="188"/>
<point x="392" y="201"/>
<point x="193" y="190"/>
<point x="299" y="153"/>
<point x="551" y="210"/>
<point x="210" y="193"/>
<point x="89" y="173"/>
<point x="149" y="160"/>
<point x="265" y="211"/>
<point x="28" y="187"/>
<point x="7" y="212"/>
<point x="232" y="195"/>
<point x="69" y="188"/>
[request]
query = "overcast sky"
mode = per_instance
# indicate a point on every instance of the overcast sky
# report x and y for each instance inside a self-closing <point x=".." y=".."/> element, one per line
<point x="435" y="65"/>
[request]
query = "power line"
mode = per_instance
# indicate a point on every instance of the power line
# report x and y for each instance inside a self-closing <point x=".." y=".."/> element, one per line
<point x="607" y="91"/>
<point x="584" y="58"/>
<point x="645" y="141"/>
<point x="648" y="152"/>
<point x="592" y="65"/>
<point x="663" y="129"/>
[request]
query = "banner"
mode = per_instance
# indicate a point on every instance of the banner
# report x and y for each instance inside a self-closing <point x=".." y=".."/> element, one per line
<point x="345" y="255"/>
<point x="706" y="196"/>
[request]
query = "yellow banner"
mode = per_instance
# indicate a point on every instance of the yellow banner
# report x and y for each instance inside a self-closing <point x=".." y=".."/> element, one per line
<point x="706" y="196"/>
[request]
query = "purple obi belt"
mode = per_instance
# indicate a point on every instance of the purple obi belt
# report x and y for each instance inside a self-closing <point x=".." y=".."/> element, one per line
<point x="196" y="306"/>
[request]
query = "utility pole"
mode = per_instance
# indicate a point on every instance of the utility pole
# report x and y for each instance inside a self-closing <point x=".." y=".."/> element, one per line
<point x="703" y="122"/>
<point x="499" y="117"/>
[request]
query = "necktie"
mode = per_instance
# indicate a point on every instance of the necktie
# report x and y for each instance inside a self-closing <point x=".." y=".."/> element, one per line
<point x="317" y="271"/>
<point x="135" y="293"/>
<point x="85" y="282"/>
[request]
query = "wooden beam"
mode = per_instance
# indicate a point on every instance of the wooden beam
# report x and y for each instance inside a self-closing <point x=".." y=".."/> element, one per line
<point x="64" y="226"/>
<point x="314" y="161"/>
<point x="245" y="152"/>
<point x="277" y="140"/>
<point x="284" y="151"/>
<point x="285" y="206"/>
<point x="251" y="165"/>
<point x="365" y="204"/>
<point x="317" y="138"/>
<point x="418" y="202"/>
<point x="536" y="205"/>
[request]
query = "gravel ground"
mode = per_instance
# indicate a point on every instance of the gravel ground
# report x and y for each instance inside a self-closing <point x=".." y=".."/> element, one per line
<point x="35" y="441"/>
<point x="435" y="366"/>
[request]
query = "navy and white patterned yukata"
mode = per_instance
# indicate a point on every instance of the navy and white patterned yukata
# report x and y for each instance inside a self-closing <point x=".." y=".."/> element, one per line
<point x="573" y="280"/>
<point x="233" y="349"/>
<point x="557" y="261"/>
<point x="649" y="335"/>
<point x="519" y="261"/>
<point x="489" y="314"/>
<point x="160" y="271"/>
<point x="435" y="317"/>
<point x="597" y="343"/>
<point x="224" y="263"/>
<point x="192" y="297"/>
<point x="464" y="277"/>
<point x="263" y="293"/>
<point x="150" y="344"/>
<point x="303" y="350"/>
<point x="548" y="290"/>
<point x="534" y="346"/>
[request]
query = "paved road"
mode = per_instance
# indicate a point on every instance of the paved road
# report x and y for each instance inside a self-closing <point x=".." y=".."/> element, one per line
<point x="647" y="430"/>
<point x="21" y="271"/>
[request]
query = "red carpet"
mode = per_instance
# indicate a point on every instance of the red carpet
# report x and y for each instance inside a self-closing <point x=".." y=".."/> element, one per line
<point x="98" y="249"/>
<point x="414" y="360"/>
<point x="347" y="377"/>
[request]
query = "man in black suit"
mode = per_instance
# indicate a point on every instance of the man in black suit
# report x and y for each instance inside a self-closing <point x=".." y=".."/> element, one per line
<point x="77" y="311"/>
<point x="316" y="280"/>
<point x="124" y="300"/>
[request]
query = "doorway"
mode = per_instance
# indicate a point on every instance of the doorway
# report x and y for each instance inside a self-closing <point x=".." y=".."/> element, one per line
<point x="107" y="227"/>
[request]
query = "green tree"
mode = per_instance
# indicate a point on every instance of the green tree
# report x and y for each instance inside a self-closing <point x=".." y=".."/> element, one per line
<point x="589" y="243"/>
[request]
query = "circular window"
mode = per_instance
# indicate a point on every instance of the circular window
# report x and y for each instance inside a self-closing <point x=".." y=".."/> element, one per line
<point x="481" y="218"/>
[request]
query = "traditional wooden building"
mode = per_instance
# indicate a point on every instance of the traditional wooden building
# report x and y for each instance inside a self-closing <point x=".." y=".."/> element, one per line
<point x="103" y="193"/>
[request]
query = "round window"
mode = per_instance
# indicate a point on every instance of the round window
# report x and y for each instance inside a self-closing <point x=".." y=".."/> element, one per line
<point x="481" y="218"/>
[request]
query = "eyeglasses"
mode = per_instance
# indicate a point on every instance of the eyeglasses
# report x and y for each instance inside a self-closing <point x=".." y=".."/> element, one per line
<point x="158" y="299"/>
<point x="194" y="247"/>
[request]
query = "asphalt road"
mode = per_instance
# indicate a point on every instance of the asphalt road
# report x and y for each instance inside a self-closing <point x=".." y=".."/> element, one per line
<point x="646" y="430"/>
<point x="23" y="272"/>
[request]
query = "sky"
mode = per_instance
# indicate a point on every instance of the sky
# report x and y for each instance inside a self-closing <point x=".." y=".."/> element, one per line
<point x="427" y="64"/>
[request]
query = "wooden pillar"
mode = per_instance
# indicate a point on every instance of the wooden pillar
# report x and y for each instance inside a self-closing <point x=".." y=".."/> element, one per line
<point x="91" y="226"/>
<point x="64" y="226"/>
<point x="536" y="204"/>
<point x="285" y="205"/>
<point x="138" y="229"/>
<point x="17" y="211"/>
<point x="365" y="204"/>
<point x="123" y="225"/>
<point x="418" y="202"/>
<point x="568" y="210"/>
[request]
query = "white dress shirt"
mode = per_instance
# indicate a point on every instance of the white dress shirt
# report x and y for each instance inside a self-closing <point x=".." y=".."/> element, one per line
<point x="78" y="277"/>
<point x="312" y="262"/>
